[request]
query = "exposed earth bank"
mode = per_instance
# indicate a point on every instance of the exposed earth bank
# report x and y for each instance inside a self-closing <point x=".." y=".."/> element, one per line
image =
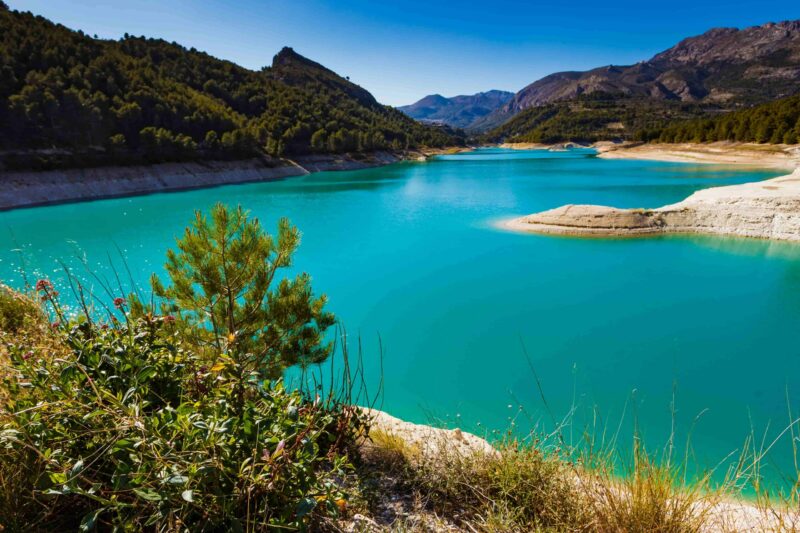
<point x="30" y="188"/>
<point x="779" y="156"/>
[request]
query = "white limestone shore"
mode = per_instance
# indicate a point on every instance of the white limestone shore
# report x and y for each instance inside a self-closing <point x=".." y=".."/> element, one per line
<point x="766" y="210"/>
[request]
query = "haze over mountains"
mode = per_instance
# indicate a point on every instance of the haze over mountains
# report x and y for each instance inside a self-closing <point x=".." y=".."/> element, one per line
<point x="458" y="111"/>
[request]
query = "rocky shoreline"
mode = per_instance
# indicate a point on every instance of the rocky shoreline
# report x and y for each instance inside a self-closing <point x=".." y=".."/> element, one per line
<point x="767" y="210"/>
<point x="29" y="189"/>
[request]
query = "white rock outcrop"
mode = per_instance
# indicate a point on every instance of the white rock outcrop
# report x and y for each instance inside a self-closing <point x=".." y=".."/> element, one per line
<point x="767" y="210"/>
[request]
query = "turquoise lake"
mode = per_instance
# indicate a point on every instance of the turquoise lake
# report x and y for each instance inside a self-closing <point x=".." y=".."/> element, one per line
<point x="410" y="253"/>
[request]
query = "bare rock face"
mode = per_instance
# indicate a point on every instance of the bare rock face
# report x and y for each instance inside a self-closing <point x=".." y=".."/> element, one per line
<point x="428" y="440"/>
<point x="765" y="210"/>
<point x="750" y="65"/>
<point x="594" y="220"/>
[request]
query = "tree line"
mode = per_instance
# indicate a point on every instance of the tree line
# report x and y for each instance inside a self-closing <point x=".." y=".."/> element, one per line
<point x="774" y="122"/>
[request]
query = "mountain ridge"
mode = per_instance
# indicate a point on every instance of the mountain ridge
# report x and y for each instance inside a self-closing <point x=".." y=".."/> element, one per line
<point x="720" y="70"/>
<point x="461" y="111"/>
<point x="728" y="67"/>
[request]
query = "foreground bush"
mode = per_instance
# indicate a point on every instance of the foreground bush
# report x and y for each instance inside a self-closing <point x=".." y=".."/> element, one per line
<point x="166" y="423"/>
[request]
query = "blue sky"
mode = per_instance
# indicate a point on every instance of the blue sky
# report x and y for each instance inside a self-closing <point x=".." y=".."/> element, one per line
<point x="401" y="51"/>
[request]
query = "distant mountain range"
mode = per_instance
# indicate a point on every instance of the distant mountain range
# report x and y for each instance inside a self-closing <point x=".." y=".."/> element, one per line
<point x="458" y="111"/>
<point x="720" y="70"/>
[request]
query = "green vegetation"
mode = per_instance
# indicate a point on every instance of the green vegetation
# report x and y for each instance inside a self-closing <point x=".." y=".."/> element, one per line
<point x="775" y="122"/>
<point x="601" y="117"/>
<point x="590" y="118"/>
<point x="170" y="423"/>
<point x="68" y="99"/>
<point x="222" y="275"/>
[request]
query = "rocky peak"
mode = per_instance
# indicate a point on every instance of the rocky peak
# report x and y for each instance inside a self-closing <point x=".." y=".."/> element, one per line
<point x="734" y="45"/>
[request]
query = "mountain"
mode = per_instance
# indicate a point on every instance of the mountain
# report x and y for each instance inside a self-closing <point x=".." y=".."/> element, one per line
<point x="67" y="99"/>
<point x="722" y="69"/>
<point x="459" y="111"/>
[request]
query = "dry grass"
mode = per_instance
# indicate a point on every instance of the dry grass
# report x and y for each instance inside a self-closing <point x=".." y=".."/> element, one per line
<point x="23" y="322"/>
<point x="518" y="489"/>
<point x="527" y="487"/>
<point x="649" y="497"/>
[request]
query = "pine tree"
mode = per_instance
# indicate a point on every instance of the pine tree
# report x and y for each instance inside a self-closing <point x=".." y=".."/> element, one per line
<point x="225" y="289"/>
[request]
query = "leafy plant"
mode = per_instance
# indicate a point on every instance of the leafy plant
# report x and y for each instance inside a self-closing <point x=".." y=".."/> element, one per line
<point x="162" y="422"/>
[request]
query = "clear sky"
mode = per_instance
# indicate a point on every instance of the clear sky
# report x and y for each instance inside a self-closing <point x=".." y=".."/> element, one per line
<point x="401" y="51"/>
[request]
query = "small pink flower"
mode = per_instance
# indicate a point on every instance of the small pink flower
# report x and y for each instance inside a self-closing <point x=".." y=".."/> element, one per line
<point x="43" y="285"/>
<point x="119" y="303"/>
<point x="55" y="325"/>
<point x="169" y="319"/>
<point x="27" y="355"/>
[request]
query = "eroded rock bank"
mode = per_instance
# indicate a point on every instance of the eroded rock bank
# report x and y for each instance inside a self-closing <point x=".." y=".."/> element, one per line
<point x="767" y="210"/>
<point x="29" y="188"/>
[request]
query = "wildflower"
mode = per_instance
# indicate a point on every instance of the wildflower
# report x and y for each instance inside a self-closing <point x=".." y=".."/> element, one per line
<point x="27" y="355"/>
<point x="119" y="303"/>
<point x="169" y="319"/>
<point x="43" y="285"/>
<point x="279" y="449"/>
<point x="55" y="325"/>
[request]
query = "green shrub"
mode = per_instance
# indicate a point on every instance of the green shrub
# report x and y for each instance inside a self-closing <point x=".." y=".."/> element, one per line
<point x="133" y="425"/>
<point x="132" y="430"/>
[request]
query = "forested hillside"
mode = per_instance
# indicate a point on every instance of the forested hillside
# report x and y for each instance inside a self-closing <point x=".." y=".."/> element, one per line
<point x="594" y="117"/>
<point x="776" y="122"/>
<point x="69" y="99"/>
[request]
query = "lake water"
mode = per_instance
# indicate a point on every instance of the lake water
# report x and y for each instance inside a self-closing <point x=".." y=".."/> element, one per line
<point x="409" y="252"/>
